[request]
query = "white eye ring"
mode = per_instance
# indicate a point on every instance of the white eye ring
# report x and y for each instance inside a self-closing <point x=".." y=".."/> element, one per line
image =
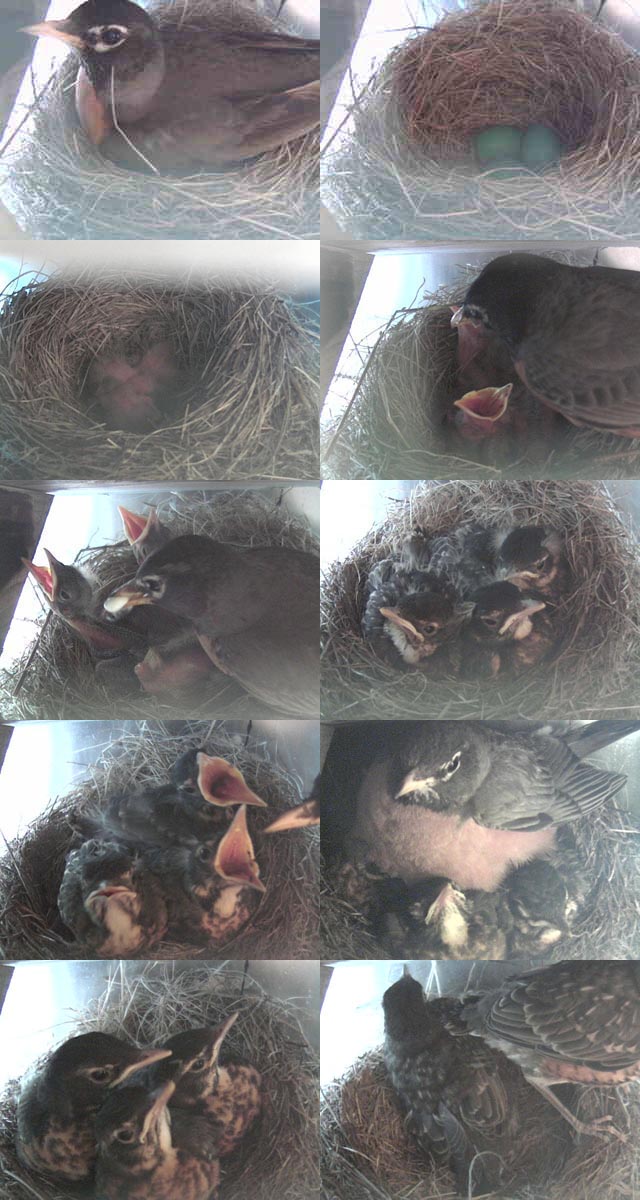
<point x="97" y="35"/>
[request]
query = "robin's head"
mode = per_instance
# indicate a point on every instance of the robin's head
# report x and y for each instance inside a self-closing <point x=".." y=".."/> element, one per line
<point x="502" y="613"/>
<point x="177" y="577"/>
<point x="102" y="29"/>
<point x="404" y="1005"/>
<point x="440" y="767"/>
<point x="232" y="863"/>
<point x="133" y="1128"/>
<point x="194" y="1059"/>
<point x="501" y="298"/>
<point x="68" y="591"/>
<point x="144" y="532"/>
<point x="421" y="622"/>
<point x="87" y="1067"/>
<point x="530" y="556"/>
<point x="219" y="783"/>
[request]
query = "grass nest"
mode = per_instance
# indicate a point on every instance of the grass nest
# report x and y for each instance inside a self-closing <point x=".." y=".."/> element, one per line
<point x="55" y="677"/>
<point x="280" y="1155"/>
<point x="284" y="926"/>
<point x="245" y="405"/>
<point x="596" y="670"/>
<point x="407" y="166"/>
<point x="368" y="1153"/>
<point x="58" y="185"/>
<point x="607" y="927"/>
<point x="395" y="425"/>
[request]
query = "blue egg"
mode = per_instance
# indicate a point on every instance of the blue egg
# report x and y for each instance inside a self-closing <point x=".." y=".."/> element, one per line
<point x="541" y="147"/>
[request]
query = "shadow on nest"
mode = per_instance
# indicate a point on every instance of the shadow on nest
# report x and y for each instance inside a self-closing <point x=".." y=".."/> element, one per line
<point x="286" y="922"/>
<point x="596" y="672"/>
<point x="407" y="167"/>
<point x="245" y="404"/>
<point x="280" y="1156"/>
<point x="55" y="677"/>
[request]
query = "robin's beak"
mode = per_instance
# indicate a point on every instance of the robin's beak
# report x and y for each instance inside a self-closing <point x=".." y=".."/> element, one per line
<point x="144" y="1059"/>
<point x="135" y="525"/>
<point x="221" y="784"/>
<point x="60" y="30"/>
<point x="461" y="318"/>
<point x="42" y="576"/>
<point x="156" y="1111"/>
<point x="129" y="596"/>
<point x="299" y="817"/>
<point x="235" y="859"/>
<point x="519" y="625"/>
<point x="412" y="784"/>
<point x="220" y="1034"/>
<point x="412" y="633"/>
<point x="445" y="897"/>
<point x="487" y="404"/>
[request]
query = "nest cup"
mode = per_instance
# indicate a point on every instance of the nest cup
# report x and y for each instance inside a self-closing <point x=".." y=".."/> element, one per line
<point x="396" y="425"/>
<point x="286" y="922"/>
<point x="247" y="406"/>
<point x="58" y="185"/>
<point x="596" y="670"/>
<point x="409" y="162"/>
<point x="279" y="1155"/>
<point x="369" y="1154"/>
<point x="55" y="677"/>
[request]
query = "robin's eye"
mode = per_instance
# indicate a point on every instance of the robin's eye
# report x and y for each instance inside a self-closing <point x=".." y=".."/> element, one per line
<point x="451" y="767"/>
<point x="152" y="584"/>
<point x="100" y="1074"/>
<point x="490" y="622"/>
<point x="125" y="1135"/>
<point x="541" y="564"/>
<point x="430" y="630"/>
<point x="112" y="36"/>
<point x="64" y="594"/>
<point x="203" y="854"/>
<point x="198" y="1064"/>
<point x="190" y="788"/>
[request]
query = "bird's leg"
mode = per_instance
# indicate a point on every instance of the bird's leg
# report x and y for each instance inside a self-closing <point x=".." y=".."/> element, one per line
<point x="599" y="1127"/>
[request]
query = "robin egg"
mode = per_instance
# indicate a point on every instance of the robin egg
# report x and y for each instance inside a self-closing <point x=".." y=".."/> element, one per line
<point x="499" y="144"/>
<point x="541" y="147"/>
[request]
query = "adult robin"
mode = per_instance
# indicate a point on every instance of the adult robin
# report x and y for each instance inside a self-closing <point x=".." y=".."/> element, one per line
<point x="60" y="1097"/>
<point x="144" y="532"/>
<point x="182" y="94"/>
<point x="570" y="332"/>
<point x="141" y="1154"/>
<point x="181" y="813"/>
<point x="463" y="800"/>
<point x="509" y="631"/>
<point x="108" y="899"/>
<point x="534" y="559"/>
<point x="572" y="1022"/>
<point x="254" y="610"/>
<point x="133" y="390"/>
<point x="227" y="1092"/>
<point x="464" y="1107"/>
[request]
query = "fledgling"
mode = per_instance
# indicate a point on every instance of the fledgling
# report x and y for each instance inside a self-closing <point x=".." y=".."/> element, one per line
<point x="227" y="1092"/>
<point x="72" y="596"/>
<point x="464" y="1107"/>
<point x="411" y="614"/>
<point x="60" y="1097"/>
<point x="483" y="412"/>
<point x="110" y="901"/>
<point x="534" y="559"/>
<point x="144" y="532"/>
<point x="509" y="631"/>
<point x="142" y="1155"/>
<point x="572" y="1022"/>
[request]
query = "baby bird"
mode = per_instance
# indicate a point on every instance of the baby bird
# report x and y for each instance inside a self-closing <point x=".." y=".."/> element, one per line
<point x="509" y="631"/>
<point x="108" y="899"/>
<point x="72" y="597"/>
<point x="414" y="610"/>
<point x="228" y="1093"/>
<point x="60" y="1097"/>
<point x="140" y="1155"/>
<point x="534" y="559"/>
<point x="144" y="532"/>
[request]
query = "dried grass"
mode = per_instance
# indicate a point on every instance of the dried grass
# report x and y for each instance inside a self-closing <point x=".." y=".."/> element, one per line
<point x="247" y="406"/>
<point x="281" y="1156"/>
<point x="596" y="671"/>
<point x="286" y="923"/>
<point x="407" y="168"/>
<point x="59" y="186"/>
<point x="55" y="678"/>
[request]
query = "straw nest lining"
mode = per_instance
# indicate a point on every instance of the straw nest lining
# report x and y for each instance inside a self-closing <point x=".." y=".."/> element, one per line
<point x="246" y="406"/>
<point x="519" y="63"/>
<point x="396" y="426"/>
<point x="55" y="677"/>
<point x="606" y="927"/>
<point x="284" y="926"/>
<point x="368" y="1153"/>
<point x="280" y="1155"/>
<point x="59" y="186"/>
<point x="597" y="670"/>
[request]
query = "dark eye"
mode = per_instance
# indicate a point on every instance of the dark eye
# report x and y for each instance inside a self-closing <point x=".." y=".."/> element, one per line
<point x="430" y="630"/>
<point x="111" y="37"/>
<point x="100" y="1074"/>
<point x="490" y="622"/>
<point x="64" y="594"/>
<point x="452" y="766"/>
<point x="152" y="583"/>
<point x="125" y="1135"/>
<point x="203" y="854"/>
<point x="541" y="564"/>
<point x="199" y="1064"/>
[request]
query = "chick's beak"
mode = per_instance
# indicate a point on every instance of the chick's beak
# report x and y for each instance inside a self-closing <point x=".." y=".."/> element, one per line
<point x="402" y="623"/>
<point x="487" y="404"/>
<point x="222" y="784"/>
<point x="134" y="524"/>
<point x="129" y="596"/>
<point x="235" y="859"/>
<point x="60" y="30"/>
<point x="42" y="576"/>
<point x="299" y="817"/>
<point x="155" y="1112"/>
<point x="144" y="1059"/>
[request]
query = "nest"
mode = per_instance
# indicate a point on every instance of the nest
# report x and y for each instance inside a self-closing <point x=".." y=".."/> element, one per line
<point x="395" y="425"/>
<point x="607" y="927"/>
<point x="408" y="166"/>
<point x="247" y="406"/>
<point x="55" y="677"/>
<point x="368" y="1153"/>
<point x="280" y="1155"/>
<point x="60" y="186"/>
<point x="596" y="670"/>
<point x="284" y="926"/>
